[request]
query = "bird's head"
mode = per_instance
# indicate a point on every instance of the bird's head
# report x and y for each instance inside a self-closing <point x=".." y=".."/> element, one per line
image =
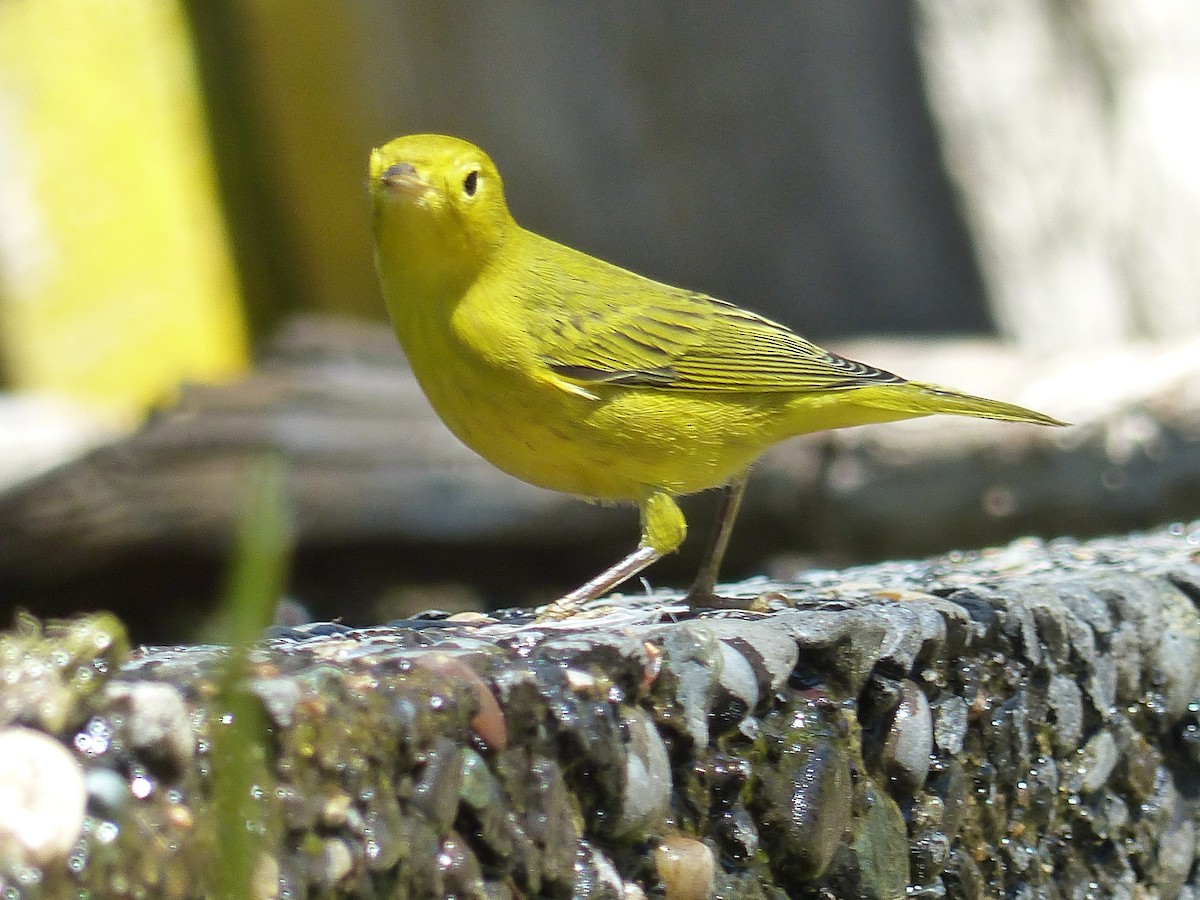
<point x="438" y="204"/>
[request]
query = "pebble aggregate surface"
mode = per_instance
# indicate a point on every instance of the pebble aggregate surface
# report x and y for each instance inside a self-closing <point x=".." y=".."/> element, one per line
<point x="1015" y="722"/>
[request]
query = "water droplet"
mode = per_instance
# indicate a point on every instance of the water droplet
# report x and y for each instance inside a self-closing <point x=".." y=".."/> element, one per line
<point x="94" y="739"/>
<point x="141" y="786"/>
<point x="107" y="832"/>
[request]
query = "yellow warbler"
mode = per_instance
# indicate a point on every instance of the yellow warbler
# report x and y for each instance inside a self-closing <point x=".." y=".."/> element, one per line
<point x="579" y="376"/>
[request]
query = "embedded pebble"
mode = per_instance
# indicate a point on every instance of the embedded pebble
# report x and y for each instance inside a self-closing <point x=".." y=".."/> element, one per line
<point x="1176" y="658"/>
<point x="931" y="626"/>
<point x="1066" y="707"/>
<point x="1064" y="615"/>
<point x="1101" y="684"/>
<point x="1011" y="746"/>
<point x="769" y="649"/>
<point x="737" y="681"/>
<point x="881" y="847"/>
<point x="802" y="803"/>
<point x="488" y="723"/>
<point x="107" y="791"/>
<point x="930" y="849"/>
<point x="279" y="697"/>
<point x="843" y="644"/>
<point x="264" y="881"/>
<point x="647" y="776"/>
<point x="908" y="740"/>
<point x="482" y="794"/>
<point x="42" y="798"/>
<point x="905" y="637"/>
<point x="333" y="863"/>
<point x="596" y="878"/>
<point x="157" y="720"/>
<point x="1042" y="787"/>
<point x="956" y="622"/>
<point x="609" y="651"/>
<point x="949" y="786"/>
<point x="436" y="792"/>
<point x="686" y="868"/>
<point x="1176" y="853"/>
<point x="549" y="823"/>
<point x="1125" y="649"/>
<point x="963" y="878"/>
<point x="734" y="829"/>
<point x="300" y="810"/>
<point x="479" y="787"/>
<point x="420" y="860"/>
<point x="1142" y="765"/>
<point x="949" y="723"/>
<point x="588" y="733"/>
<point x="693" y="655"/>
<point x="382" y="827"/>
<point x="1097" y="760"/>
<point x="461" y="873"/>
<point x="335" y="810"/>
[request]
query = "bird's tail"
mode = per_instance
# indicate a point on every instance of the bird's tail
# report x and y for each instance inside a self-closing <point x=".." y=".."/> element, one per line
<point x="929" y="399"/>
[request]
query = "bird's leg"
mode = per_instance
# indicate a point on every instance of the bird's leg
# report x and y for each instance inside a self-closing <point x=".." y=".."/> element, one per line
<point x="663" y="530"/>
<point x="569" y="604"/>
<point x="701" y="592"/>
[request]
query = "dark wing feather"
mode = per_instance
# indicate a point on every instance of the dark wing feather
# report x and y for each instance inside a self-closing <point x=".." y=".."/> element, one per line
<point x="649" y="335"/>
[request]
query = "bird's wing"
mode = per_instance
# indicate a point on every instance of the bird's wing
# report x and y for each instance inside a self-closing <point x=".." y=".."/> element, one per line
<point x="677" y="340"/>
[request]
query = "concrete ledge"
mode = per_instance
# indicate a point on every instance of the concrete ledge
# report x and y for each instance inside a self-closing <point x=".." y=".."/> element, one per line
<point x="1016" y="722"/>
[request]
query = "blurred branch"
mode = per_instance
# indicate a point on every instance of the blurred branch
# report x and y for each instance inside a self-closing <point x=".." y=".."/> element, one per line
<point x="384" y="495"/>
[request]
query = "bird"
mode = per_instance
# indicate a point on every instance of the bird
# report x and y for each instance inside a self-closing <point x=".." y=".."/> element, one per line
<point x="576" y="375"/>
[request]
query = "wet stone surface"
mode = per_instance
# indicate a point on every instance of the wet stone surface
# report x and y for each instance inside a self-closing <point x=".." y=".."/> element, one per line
<point x="1020" y="722"/>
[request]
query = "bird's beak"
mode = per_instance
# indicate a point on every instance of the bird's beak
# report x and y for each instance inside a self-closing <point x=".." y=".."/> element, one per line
<point x="402" y="178"/>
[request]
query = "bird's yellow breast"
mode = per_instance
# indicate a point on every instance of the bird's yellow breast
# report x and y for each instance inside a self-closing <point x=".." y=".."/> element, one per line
<point x="616" y="444"/>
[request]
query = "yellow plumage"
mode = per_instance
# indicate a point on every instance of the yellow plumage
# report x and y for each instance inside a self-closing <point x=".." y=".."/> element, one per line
<point x="579" y="376"/>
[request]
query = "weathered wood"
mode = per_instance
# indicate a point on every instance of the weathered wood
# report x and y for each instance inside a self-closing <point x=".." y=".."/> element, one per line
<point x="384" y="495"/>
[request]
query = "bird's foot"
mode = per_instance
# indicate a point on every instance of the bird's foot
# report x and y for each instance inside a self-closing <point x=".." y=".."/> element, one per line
<point x="706" y="597"/>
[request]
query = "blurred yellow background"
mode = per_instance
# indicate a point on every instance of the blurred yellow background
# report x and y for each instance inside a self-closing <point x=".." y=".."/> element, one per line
<point x="177" y="177"/>
<point x="116" y="278"/>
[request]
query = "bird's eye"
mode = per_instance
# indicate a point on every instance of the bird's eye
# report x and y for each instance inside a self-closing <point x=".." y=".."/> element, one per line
<point x="471" y="183"/>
